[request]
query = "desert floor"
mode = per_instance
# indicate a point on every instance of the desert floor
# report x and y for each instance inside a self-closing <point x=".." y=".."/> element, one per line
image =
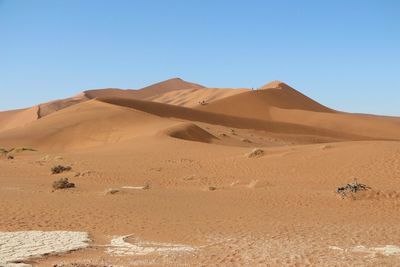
<point x="274" y="210"/>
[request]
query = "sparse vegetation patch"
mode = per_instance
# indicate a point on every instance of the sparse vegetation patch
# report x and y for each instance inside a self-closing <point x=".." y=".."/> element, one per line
<point x="62" y="184"/>
<point x="60" y="169"/>
<point x="350" y="190"/>
<point x="7" y="152"/>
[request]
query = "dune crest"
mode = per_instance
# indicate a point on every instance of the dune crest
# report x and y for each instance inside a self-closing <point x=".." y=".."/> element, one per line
<point x="275" y="85"/>
<point x="145" y="92"/>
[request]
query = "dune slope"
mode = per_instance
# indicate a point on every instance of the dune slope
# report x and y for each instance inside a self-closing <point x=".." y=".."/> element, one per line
<point x="188" y="131"/>
<point x="257" y="104"/>
<point x="91" y="123"/>
<point x="279" y="102"/>
<point x="190" y="114"/>
<point x="192" y="97"/>
<point x="18" y="118"/>
<point x="146" y="92"/>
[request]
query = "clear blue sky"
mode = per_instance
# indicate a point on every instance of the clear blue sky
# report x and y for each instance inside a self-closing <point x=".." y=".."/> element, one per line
<point x="344" y="54"/>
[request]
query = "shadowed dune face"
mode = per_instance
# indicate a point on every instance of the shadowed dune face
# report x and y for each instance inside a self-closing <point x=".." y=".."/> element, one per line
<point x="258" y="103"/>
<point x="171" y="111"/>
<point x="54" y="106"/>
<point x="190" y="132"/>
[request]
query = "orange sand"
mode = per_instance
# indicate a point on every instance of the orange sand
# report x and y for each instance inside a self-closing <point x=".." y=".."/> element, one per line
<point x="205" y="194"/>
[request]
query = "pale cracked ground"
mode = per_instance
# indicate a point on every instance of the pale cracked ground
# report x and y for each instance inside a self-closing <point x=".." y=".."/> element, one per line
<point x="18" y="247"/>
<point x="23" y="245"/>
<point x="120" y="247"/>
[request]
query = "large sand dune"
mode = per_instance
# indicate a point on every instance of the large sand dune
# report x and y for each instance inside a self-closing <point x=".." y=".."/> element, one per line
<point x="18" y="118"/>
<point x="86" y="124"/>
<point x="146" y="92"/>
<point x="113" y="116"/>
<point x="257" y="103"/>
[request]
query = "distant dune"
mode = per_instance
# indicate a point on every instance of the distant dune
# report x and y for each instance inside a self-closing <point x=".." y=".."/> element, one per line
<point x="146" y="92"/>
<point x="18" y="118"/>
<point x="98" y="117"/>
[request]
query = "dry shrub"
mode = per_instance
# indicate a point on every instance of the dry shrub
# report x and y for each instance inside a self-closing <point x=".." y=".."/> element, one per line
<point x="59" y="169"/>
<point x="62" y="184"/>
<point x="350" y="190"/>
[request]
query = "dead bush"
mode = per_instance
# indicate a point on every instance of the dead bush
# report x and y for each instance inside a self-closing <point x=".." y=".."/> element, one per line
<point x="60" y="169"/>
<point x="350" y="190"/>
<point x="62" y="184"/>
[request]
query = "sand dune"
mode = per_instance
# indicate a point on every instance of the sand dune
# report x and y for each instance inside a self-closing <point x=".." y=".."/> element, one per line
<point x="375" y="127"/>
<point x="165" y="110"/>
<point x="279" y="102"/>
<point x="146" y="92"/>
<point x="112" y="120"/>
<point x="91" y="123"/>
<point x="191" y="98"/>
<point x="21" y="117"/>
<point x="257" y="104"/>
<point x="189" y="131"/>
<point x="276" y="108"/>
<point x="53" y="106"/>
<point x="18" y="118"/>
